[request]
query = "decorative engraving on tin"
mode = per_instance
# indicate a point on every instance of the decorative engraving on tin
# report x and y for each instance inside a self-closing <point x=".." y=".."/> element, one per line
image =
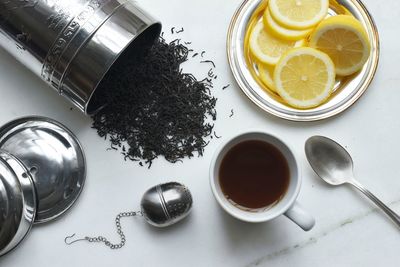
<point x="23" y="39"/>
<point x="65" y="37"/>
<point x="24" y="36"/>
<point x="72" y="28"/>
<point x="53" y="57"/>
<point x="57" y="21"/>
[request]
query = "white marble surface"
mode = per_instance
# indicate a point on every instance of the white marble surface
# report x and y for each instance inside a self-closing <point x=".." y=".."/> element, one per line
<point x="349" y="231"/>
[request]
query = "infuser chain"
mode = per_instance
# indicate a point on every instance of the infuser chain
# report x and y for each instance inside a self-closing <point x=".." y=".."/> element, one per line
<point x="103" y="239"/>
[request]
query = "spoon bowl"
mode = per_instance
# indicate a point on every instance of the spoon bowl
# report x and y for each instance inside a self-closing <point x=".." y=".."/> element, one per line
<point x="329" y="160"/>
<point x="334" y="165"/>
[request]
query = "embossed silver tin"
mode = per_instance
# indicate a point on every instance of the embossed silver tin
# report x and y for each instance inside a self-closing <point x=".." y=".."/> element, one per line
<point x="71" y="44"/>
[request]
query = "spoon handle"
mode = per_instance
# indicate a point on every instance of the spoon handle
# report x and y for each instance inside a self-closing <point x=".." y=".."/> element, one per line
<point x="393" y="215"/>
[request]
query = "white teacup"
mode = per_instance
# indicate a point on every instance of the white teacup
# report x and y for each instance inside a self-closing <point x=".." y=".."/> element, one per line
<point x="287" y="205"/>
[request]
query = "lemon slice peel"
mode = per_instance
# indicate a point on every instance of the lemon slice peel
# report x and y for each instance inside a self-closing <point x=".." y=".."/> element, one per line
<point x="299" y="14"/>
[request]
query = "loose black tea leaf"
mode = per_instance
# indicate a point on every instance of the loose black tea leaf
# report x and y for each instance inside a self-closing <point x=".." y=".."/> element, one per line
<point x="181" y="30"/>
<point x="208" y="61"/>
<point x="154" y="109"/>
<point x="232" y="113"/>
<point x="226" y="86"/>
<point x="202" y="53"/>
<point x="211" y="73"/>
<point x="216" y="136"/>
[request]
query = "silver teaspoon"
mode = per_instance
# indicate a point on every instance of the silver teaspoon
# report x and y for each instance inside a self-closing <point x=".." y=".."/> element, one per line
<point x="335" y="166"/>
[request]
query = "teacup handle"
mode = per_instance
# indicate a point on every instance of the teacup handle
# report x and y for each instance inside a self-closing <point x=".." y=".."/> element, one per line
<point x="300" y="217"/>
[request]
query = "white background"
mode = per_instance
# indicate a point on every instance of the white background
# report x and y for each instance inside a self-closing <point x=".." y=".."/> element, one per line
<point x="349" y="232"/>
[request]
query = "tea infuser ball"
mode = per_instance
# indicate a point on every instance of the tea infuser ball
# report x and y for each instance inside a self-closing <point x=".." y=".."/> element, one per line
<point x="161" y="206"/>
<point x="166" y="204"/>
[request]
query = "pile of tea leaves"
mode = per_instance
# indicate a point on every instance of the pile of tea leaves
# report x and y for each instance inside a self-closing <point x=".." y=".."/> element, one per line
<point x="154" y="109"/>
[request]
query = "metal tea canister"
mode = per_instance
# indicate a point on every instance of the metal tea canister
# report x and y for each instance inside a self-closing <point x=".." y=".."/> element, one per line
<point x="71" y="44"/>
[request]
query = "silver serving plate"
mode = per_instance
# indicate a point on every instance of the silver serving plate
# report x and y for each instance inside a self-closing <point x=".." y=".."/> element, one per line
<point x="53" y="157"/>
<point x="17" y="202"/>
<point x="347" y="91"/>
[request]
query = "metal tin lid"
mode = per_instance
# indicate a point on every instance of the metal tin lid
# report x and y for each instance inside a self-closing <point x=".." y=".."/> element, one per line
<point x="17" y="202"/>
<point x="54" y="158"/>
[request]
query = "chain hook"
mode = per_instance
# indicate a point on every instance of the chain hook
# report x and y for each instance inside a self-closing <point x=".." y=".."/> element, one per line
<point x="66" y="240"/>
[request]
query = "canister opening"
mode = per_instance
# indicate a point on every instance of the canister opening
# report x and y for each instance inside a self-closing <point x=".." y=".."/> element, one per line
<point x="138" y="46"/>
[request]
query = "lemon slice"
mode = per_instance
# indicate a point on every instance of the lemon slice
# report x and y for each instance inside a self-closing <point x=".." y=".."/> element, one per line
<point x="282" y="32"/>
<point x="344" y="39"/>
<point x="266" y="73"/>
<point x="304" y="77"/>
<point x="299" y="14"/>
<point x="266" y="47"/>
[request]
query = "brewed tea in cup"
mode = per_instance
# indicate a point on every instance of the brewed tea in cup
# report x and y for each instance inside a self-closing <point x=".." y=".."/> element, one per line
<point x="255" y="177"/>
